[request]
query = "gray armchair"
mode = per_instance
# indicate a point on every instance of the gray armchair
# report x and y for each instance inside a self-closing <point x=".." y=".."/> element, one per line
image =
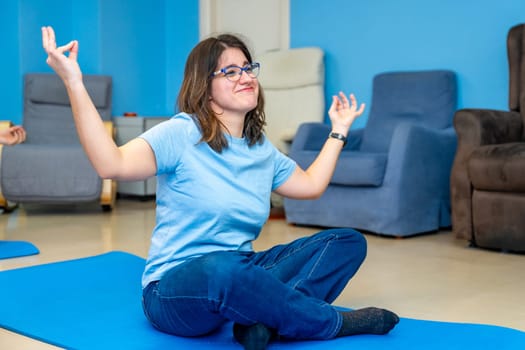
<point x="51" y="166"/>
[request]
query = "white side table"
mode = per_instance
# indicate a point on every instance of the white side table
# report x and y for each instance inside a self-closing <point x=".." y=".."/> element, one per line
<point x="128" y="128"/>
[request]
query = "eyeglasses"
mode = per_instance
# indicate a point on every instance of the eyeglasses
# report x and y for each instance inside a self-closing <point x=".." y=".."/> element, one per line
<point x="233" y="73"/>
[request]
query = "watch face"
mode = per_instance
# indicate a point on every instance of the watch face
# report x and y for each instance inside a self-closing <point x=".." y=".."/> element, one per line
<point x="338" y="136"/>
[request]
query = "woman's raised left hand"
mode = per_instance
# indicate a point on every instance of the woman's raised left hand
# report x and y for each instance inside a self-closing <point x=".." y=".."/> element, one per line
<point x="343" y="111"/>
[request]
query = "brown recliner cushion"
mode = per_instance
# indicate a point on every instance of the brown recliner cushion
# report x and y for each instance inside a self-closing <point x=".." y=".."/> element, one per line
<point x="499" y="222"/>
<point x="498" y="167"/>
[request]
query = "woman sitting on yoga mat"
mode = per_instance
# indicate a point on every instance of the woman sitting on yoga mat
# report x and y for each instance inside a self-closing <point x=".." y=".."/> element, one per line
<point x="215" y="171"/>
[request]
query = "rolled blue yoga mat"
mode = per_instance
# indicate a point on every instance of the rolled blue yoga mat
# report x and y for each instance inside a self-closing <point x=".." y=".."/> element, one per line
<point x="95" y="303"/>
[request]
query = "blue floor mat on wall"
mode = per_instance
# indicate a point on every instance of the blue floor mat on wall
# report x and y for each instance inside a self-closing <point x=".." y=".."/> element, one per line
<point x="94" y="303"/>
<point x="15" y="249"/>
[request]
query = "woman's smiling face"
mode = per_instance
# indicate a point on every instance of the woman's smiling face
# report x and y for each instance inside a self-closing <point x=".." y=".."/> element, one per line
<point x="233" y="97"/>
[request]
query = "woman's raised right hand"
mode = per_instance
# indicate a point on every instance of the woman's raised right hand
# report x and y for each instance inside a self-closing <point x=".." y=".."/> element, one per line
<point x="66" y="66"/>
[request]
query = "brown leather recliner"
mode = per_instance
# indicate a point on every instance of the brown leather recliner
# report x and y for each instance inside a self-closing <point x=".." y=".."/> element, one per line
<point x="488" y="174"/>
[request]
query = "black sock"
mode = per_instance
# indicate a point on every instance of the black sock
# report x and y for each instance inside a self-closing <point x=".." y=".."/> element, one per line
<point x="370" y="320"/>
<point x="254" y="337"/>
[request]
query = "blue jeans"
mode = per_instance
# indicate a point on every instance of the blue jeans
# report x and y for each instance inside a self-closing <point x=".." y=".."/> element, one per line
<point x="288" y="287"/>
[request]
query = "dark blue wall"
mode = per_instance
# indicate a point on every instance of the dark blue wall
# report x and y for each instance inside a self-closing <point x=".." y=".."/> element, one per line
<point x="363" y="38"/>
<point x="142" y="44"/>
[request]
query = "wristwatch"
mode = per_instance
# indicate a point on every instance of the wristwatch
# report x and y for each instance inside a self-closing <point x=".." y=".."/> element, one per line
<point x="338" y="136"/>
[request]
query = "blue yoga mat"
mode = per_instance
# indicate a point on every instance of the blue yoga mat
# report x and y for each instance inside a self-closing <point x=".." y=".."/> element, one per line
<point x="94" y="303"/>
<point x="15" y="249"/>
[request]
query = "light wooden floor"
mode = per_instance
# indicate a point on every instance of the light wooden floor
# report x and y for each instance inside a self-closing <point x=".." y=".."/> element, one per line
<point x="426" y="277"/>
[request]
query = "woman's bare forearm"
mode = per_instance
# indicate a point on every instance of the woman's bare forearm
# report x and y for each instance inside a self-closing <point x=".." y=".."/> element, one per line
<point x="96" y="141"/>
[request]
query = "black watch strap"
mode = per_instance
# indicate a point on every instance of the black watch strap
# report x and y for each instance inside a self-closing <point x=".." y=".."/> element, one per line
<point x="338" y="136"/>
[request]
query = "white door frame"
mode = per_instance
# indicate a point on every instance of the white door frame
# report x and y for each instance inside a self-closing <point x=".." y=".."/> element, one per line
<point x="208" y="22"/>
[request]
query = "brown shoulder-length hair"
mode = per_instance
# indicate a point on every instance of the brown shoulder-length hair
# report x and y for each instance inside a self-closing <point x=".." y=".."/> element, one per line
<point x="195" y="94"/>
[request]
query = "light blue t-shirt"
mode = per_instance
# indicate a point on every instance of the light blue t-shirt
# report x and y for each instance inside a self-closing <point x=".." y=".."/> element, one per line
<point x="208" y="201"/>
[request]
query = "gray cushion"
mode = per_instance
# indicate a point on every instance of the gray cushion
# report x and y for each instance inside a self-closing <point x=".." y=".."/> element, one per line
<point x="57" y="173"/>
<point x="48" y="89"/>
<point x="47" y="114"/>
